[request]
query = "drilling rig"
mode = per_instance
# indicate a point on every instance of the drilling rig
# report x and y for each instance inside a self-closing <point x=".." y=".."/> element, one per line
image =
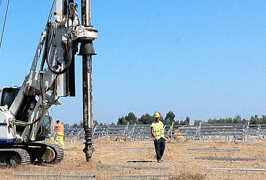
<point x="23" y="110"/>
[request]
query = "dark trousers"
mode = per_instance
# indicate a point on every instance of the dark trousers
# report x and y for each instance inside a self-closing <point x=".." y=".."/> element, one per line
<point x="159" y="148"/>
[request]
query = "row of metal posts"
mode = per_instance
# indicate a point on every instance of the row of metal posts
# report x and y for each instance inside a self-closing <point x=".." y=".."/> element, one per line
<point x="228" y="132"/>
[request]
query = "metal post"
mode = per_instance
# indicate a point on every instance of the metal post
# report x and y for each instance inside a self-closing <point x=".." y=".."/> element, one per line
<point x="86" y="12"/>
<point x="87" y="105"/>
<point x="87" y="50"/>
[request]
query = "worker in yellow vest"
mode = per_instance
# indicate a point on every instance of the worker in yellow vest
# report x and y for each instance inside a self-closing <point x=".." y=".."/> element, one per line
<point x="157" y="132"/>
<point x="59" y="137"/>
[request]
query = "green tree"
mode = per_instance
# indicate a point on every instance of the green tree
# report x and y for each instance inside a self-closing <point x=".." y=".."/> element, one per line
<point x="169" y="118"/>
<point x="177" y="122"/>
<point x="131" y="118"/>
<point x="255" y="119"/>
<point x="229" y="120"/>
<point x="211" y="121"/>
<point x="185" y="122"/>
<point x="75" y="125"/>
<point x="263" y="119"/>
<point x="95" y="123"/>
<point x="80" y="124"/>
<point x="237" y="119"/>
<point x="197" y="122"/>
<point x="105" y="125"/>
<point x="244" y="121"/>
<point x="146" y="119"/>
<point x="121" y="121"/>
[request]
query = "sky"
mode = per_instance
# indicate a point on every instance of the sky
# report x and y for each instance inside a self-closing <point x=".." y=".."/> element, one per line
<point x="202" y="59"/>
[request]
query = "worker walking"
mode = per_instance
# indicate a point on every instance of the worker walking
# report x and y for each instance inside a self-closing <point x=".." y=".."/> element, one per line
<point x="157" y="132"/>
<point x="59" y="137"/>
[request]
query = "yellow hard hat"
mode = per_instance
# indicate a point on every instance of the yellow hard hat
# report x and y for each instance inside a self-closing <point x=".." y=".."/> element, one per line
<point x="156" y="115"/>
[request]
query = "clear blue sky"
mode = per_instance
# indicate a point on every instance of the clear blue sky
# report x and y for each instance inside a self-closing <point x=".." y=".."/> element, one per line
<point x="201" y="59"/>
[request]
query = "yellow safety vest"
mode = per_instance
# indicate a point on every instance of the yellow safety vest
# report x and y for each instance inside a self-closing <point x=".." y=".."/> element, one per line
<point x="158" y="131"/>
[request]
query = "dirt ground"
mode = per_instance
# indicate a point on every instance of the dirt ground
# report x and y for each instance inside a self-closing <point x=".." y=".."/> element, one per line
<point x="179" y="158"/>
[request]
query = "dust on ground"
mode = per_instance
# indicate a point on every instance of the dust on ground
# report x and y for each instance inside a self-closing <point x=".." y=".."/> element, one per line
<point x="178" y="157"/>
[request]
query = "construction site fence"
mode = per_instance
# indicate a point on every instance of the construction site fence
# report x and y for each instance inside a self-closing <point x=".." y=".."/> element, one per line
<point x="203" y="132"/>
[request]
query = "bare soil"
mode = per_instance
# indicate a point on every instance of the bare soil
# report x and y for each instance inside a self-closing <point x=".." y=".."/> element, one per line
<point x="181" y="161"/>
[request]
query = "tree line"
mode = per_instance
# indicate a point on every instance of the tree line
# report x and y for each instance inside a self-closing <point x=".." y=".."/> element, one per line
<point x="169" y="119"/>
<point x="237" y="119"/>
<point x="148" y="119"/>
<point x="80" y="124"/>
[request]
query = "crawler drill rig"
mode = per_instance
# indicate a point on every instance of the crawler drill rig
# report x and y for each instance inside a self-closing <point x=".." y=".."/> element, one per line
<point x="23" y="110"/>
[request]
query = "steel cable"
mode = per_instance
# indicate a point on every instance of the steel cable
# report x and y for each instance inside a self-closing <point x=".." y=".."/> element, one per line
<point x="4" y="23"/>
